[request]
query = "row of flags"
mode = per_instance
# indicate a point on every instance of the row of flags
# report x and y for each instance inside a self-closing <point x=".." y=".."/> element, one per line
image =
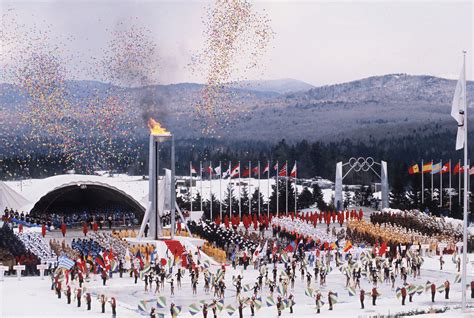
<point x="435" y="168"/>
<point x="248" y="171"/>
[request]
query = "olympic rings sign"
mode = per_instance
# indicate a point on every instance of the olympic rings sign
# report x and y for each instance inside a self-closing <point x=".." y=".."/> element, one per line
<point x="361" y="164"/>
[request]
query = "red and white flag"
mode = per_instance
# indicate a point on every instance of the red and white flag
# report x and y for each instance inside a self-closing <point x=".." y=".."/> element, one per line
<point x="471" y="171"/>
<point x="193" y="170"/>
<point x="210" y="170"/>
<point x="246" y="172"/>
<point x="235" y="171"/>
<point x="283" y="172"/>
<point x="275" y="167"/>
<point x="256" y="171"/>
<point x="446" y="168"/>
<point x="267" y="167"/>
<point x="293" y="171"/>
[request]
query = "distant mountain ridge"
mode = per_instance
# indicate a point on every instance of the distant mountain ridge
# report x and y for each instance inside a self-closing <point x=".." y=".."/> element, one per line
<point x="389" y="105"/>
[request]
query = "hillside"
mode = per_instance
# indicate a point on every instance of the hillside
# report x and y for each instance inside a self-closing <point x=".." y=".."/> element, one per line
<point x="390" y="105"/>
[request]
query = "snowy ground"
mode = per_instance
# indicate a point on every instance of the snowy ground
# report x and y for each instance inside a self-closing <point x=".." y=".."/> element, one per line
<point x="32" y="297"/>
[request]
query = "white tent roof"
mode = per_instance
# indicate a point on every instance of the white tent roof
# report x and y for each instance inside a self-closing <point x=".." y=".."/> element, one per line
<point x="10" y="198"/>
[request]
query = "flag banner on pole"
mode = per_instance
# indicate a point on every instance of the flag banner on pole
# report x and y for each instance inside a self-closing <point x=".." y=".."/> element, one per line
<point x="217" y="170"/>
<point x="258" y="303"/>
<point x="246" y="287"/>
<point x="427" y="286"/>
<point x="269" y="301"/>
<point x="293" y="171"/>
<point x="142" y="305"/>
<point x="351" y="290"/>
<point x="160" y="315"/>
<point x="458" y="108"/>
<point x="282" y="172"/>
<point x="220" y="305"/>
<point x="458" y="169"/>
<point x="398" y="292"/>
<point x="471" y="171"/>
<point x="457" y="279"/>
<point x="176" y="310"/>
<point x="161" y="302"/>
<point x="436" y="168"/>
<point x="246" y="172"/>
<point x="420" y="289"/>
<point x="413" y="169"/>
<point x="440" y="288"/>
<point x="267" y="168"/>
<point x="256" y="171"/>
<point x="235" y="171"/>
<point x="194" y="309"/>
<point x="193" y="170"/>
<point x="309" y="292"/>
<point x="334" y="298"/>
<point x="411" y="289"/>
<point x="230" y="310"/>
<point x="446" y="167"/>
<point x="65" y="262"/>
<point x="280" y="289"/>
<point x="427" y="167"/>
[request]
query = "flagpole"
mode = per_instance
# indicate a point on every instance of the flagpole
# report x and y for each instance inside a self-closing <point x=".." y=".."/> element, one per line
<point x="286" y="187"/>
<point x="240" y="201"/>
<point x="450" y="189"/>
<point x="459" y="177"/>
<point x="229" y="188"/>
<point x="210" y="188"/>
<point x="220" y="190"/>
<point x="258" y="204"/>
<point x="278" y="193"/>
<point x="200" y="171"/>
<point x="268" y="189"/>
<point x="441" y="184"/>
<point x="432" y="180"/>
<point x="250" y="187"/>
<point x="422" y="184"/>
<point x="466" y="168"/>
<point x="296" y="195"/>
<point x="191" y="185"/>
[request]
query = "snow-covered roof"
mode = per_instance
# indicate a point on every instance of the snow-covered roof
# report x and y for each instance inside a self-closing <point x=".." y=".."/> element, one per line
<point x="10" y="198"/>
<point x="33" y="190"/>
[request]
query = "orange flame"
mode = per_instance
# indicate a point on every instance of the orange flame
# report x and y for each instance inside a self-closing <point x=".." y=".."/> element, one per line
<point x="156" y="129"/>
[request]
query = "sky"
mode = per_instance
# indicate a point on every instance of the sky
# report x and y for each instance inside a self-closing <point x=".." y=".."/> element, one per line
<point x="314" y="41"/>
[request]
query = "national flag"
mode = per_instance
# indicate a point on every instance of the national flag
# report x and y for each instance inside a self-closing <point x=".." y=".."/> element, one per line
<point x="446" y="168"/>
<point x="398" y="292"/>
<point x="471" y="171"/>
<point x="258" y="303"/>
<point x="420" y="289"/>
<point x="161" y="302"/>
<point x="230" y="310"/>
<point x="65" y="262"/>
<point x="210" y="170"/>
<point x="333" y="298"/>
<point x="440" y="288"/>
<point x="411" y="289"/>
<point x="246" y="287"/>
<point x="269" y="301"/>
<point x="413" y="169"/>
<point x="348" y="246"/>
<point x="383" y="248"/>
<point x="235" y="171"/>
<point x="427" y="167"/>
<point x="351" y="290"/>
<point x="194" y="309"/>
<point x="309" y="292"/>
<point x="427" y="286"/>
<point x="217" y="170"/>
<point x="275" y="167"/>
<point x="457" y="279"/>
<point x="280" y="289"/>
<point x="282" y="172"/>
<point x="267" y="167"/>
<point x="246" y="172"/>
<point x="256" y="171"/>
<point x="458" y="108"/>
<point x="142" y="305"/>
<point x="220" y="305"/>
<point x="176" y="310"/>
<point x="193" y="170"/>
<point x="436" y="168"/>
<point x="293" y="171"/>
<point x="458" y="168"/>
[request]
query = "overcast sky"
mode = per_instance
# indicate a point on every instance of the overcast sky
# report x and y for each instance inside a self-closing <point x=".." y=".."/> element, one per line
<point x="317" y="42"/>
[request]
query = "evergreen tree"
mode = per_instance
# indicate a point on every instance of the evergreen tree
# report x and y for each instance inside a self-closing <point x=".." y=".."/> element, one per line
<point x="318" y="198"/>
<point x="398" y="195"/>
<point x="230" y="197"/>
<point x="305" y="199"/>
<point x="347" y="198"/>
<point x="255" y="199"/>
